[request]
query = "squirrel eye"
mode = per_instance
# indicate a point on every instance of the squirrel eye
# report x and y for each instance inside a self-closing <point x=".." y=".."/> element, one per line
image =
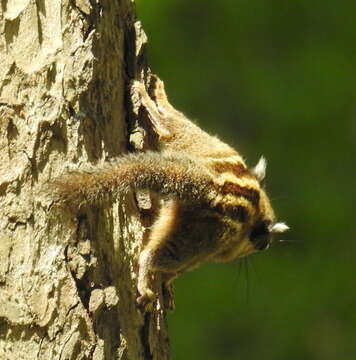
<point x="260" y="235"/>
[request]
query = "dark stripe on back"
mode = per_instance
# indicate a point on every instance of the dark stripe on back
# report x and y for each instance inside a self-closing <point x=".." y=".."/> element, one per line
<point x="251" y="195"/>
<point x="238" y="170"/>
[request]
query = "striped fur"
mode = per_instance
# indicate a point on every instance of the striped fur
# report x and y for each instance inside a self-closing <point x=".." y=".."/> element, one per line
<point x="237" y="169"/>
<point x="214" y="207"/>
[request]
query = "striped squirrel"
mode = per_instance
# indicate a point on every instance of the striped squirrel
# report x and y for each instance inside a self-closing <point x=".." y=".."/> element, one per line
<point x="213" y="208"/>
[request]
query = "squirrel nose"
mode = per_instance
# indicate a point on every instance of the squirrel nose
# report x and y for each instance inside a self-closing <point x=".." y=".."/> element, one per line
<point x="260" y="242"/>
<point x="260" y="235"/>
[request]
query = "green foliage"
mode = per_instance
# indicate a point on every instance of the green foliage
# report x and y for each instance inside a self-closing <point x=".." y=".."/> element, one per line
<point x="274" y="78"/>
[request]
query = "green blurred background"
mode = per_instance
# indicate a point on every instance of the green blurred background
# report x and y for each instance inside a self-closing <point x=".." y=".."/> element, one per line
<point x="275" y="78"/>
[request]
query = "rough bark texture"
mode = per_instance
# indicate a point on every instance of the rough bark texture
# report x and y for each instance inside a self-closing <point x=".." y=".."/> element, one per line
<point x="67" y="280"/>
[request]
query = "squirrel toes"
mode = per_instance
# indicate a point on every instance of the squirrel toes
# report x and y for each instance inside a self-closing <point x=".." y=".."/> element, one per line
<point x="213" y="207"/>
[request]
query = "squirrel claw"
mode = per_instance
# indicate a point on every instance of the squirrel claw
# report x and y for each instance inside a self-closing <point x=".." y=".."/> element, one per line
<point x="145" y="300"/>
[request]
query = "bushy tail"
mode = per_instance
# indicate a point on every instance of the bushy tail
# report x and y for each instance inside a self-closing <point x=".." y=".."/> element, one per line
<point x="169" y="174"/>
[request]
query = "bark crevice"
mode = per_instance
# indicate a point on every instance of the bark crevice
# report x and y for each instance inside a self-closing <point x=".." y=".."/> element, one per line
<point x="68" y="276"/>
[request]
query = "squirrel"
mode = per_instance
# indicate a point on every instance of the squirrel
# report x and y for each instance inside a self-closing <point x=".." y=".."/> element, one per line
<point x="213" y="208"/>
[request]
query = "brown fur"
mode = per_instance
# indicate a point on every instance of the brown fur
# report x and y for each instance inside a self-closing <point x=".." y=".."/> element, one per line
<point x="211" y="200"/>
<point x="237" y="169"/>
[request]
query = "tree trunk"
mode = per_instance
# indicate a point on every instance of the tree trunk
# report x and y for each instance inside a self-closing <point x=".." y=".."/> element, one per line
<point x="67" y="278"/>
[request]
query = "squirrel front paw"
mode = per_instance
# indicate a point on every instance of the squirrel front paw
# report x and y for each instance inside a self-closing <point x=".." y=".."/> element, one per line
<point x="146" y="299"/>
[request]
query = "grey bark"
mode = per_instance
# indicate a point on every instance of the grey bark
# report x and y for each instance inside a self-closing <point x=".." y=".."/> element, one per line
<point x="68" y="279"/>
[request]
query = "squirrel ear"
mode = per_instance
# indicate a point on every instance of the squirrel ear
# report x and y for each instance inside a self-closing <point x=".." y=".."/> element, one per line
<point x="260" y="169"/>
<point x="279" y="227"/>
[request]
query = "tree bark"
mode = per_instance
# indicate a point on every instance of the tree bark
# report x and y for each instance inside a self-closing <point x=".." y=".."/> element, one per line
<point x="68" y="279"/>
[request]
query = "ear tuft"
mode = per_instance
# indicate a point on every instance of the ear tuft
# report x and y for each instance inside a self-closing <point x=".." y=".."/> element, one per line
<point x="260" y="169"/>
<point x="279" y="227"/>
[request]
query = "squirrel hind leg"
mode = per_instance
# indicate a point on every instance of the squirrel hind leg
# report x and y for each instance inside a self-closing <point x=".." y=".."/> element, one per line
<point x="160" y="96"/>
<point x="156" y="115"/>
<point x="149" y="256"/>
